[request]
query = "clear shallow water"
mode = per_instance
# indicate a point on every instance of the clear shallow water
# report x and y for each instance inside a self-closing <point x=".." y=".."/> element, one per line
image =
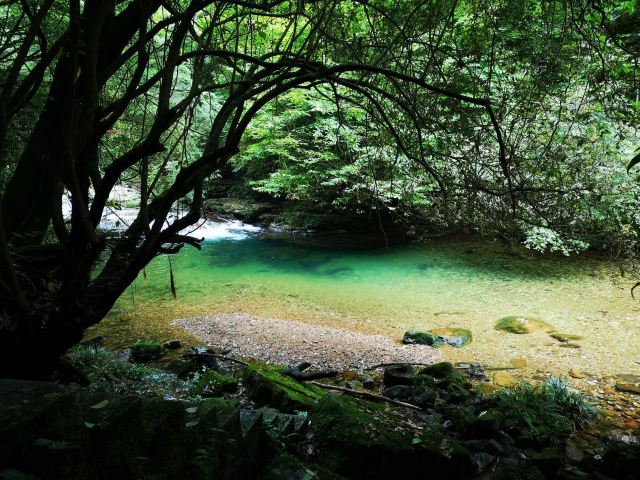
<point x="349" y="283"/>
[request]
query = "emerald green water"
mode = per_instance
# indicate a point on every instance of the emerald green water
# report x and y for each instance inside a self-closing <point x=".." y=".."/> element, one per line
<point x="352" y="283"/>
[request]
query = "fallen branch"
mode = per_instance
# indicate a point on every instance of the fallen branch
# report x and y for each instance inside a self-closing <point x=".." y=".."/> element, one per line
<point x="372" y="396"/>
<point x="381" y="365"/>
<point x="297" y="373"/>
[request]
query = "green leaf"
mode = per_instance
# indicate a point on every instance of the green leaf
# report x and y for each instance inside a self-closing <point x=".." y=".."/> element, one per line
<point x="634" y="161"/>
<point x="416" y="440"/>
<point x="100" y="405"/>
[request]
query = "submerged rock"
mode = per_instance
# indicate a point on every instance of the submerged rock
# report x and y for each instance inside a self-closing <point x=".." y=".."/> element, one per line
<point x="521" y="325"/>
<point x="565" y="337"/>
<point x="456" y="337"/>
<point x="412" y="337"/>
<point x="504" y="379"/>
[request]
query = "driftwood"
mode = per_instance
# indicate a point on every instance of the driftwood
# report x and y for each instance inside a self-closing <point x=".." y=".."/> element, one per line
<point x="298" y="373"/>
<point x="372" y="396"/>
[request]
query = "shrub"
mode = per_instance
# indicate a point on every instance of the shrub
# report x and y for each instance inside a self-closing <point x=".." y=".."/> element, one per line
<point x="551" y="410"/>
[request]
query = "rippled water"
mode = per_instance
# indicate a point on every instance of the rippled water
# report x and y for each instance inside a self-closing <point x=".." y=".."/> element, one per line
<point x="352" y="283"/>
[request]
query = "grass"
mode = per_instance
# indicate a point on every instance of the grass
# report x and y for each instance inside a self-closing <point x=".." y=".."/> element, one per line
<point x="106" y="372"/>
<point x="552" y="409"/>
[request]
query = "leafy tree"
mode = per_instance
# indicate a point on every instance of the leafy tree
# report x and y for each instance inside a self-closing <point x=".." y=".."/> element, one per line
<point x="116" y="87"/>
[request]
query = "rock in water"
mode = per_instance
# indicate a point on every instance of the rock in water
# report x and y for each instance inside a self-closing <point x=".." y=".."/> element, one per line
<point x="521" y="325"/>
<point x="565" y="337"/>
<point x="456" y="337"/>
<point x="412" y="337"/>
<point x="504" y="379"/>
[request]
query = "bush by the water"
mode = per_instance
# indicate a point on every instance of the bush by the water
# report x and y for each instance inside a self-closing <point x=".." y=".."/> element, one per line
<point x="551" y="410"/>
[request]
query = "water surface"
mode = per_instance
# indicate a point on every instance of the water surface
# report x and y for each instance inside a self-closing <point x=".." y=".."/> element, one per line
<point x="351" y="283"/>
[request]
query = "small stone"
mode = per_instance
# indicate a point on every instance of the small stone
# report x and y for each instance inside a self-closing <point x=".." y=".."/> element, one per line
<point x="504" y="379"/>
<point x="628" y="387"/>
<point x="575" y="373"/>
<point x="368" y="383"/>
<point x="565" y="337"/>
<point x="518" y="362"/>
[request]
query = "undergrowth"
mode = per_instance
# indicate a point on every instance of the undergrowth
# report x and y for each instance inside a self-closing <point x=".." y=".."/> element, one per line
<point x="106" y="372"/>
<point x="552" y="409"/>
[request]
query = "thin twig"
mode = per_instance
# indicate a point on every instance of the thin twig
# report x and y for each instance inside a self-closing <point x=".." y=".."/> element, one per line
<point x="372" y="396"/>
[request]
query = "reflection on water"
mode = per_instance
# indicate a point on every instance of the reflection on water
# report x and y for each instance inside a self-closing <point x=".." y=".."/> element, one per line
<point x="345" y="282"/>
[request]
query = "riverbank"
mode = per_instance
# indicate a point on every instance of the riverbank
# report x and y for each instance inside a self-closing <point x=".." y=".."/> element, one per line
<point x="237" y="418"/>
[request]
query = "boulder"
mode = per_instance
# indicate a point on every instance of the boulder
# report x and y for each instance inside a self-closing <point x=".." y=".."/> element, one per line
<point x="522" y="325"/>
<point x="442" y="370"/>
<point x="358" y="439"/>
<point x="398" y="375"/>
<point x="266" y="387"/>
<point x="412" y="337"/>
<point x="146" y="350"/>
<point x="172" y="344"/>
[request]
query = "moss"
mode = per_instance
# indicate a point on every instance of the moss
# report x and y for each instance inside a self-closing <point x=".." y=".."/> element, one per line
<point x="146" y="350"/>
<point x="421" y="338"/>
<point x="441" y="370"/>
<point x="361" y="440"/>
<point x="266" y="386"/>
<point x="213" y="383"/>
<point x="522" y="325"/>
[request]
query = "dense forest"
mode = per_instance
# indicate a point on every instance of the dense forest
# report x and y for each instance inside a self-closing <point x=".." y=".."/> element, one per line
<point x="513" y="118"/>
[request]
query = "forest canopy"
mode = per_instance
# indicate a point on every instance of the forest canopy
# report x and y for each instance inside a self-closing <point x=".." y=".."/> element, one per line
<point x="515" y="118"/>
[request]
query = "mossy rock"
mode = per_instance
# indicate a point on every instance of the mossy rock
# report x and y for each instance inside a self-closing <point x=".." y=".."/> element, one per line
<point x="183" y="366"/>
<point x="243" y="209"/>
<point x="521" y="325"/>
<point x="442" y="370"/>
<point x="213" y="384"/>
<point x="565" y="337"/>
<point x="146" y="350"/>
<point x="266" y="386"/>
<point x="360" y="440"/>
<point x="456" y="337"/>
<point x="413" y="337"/>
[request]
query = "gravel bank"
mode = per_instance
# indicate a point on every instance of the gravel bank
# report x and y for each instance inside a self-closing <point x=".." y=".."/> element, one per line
<point x="286" y="342"/>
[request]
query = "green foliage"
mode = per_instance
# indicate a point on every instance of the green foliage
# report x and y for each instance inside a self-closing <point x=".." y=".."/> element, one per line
<point x="106" y="372"/>
<point x="551" y="410"/>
